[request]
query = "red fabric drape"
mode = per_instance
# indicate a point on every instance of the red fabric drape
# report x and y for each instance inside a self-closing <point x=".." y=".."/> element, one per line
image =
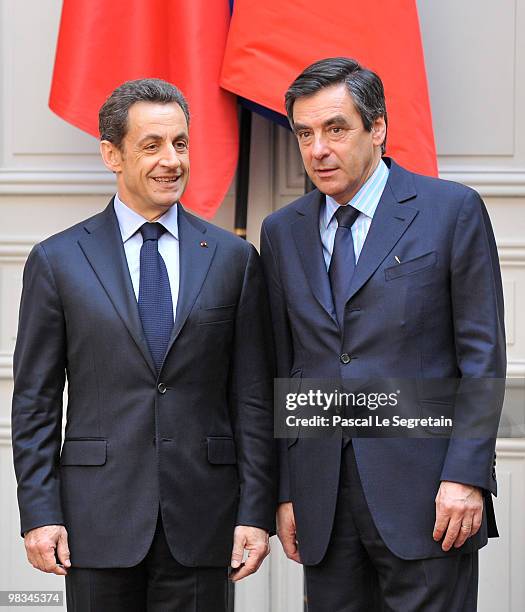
<point x="102" y="44"/>
<point x="271" y="41"/>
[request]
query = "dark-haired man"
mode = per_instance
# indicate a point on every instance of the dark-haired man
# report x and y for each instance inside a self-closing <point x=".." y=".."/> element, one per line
<point x="376" y="274"/>
<point x="158" y="321"/>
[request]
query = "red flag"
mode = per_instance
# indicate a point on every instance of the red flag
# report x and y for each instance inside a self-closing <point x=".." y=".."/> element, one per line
<point x="272" y="41"/>
<point x="101" y="44"/>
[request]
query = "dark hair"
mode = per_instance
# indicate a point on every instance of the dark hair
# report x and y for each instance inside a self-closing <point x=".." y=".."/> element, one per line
<point x="113" y="114"/>
<point x="363" y="85"/>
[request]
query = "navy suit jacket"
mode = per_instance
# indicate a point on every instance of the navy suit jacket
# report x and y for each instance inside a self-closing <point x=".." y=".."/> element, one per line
<point x="195" y="440"/>
<point x="436" y="315"/>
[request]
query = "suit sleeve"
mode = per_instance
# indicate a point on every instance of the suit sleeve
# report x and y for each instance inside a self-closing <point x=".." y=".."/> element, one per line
<point x="39" y="377"/>
<point x="477" y="302"/>
<point x="283" y="346"/>
<point x="251" y="394"/>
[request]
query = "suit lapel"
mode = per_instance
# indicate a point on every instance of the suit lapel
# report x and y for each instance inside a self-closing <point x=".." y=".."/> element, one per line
<point x="390" y="222"/>
<point x="196" y="251"/>
<point x="308" y="242"/>
<point x="104" y="250"/>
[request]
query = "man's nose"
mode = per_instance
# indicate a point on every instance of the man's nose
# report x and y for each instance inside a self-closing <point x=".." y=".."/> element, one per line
<point x="320" y="148"/>
<point x="170" y="157"/>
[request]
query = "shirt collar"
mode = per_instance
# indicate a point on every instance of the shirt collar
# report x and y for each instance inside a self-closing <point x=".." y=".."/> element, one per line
<point x="130" y="222"/>
<point x="366" y="199"/>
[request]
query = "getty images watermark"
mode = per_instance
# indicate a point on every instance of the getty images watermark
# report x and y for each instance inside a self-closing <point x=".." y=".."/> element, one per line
<point x="468" y="408"/>
<point x="337" y="400"/>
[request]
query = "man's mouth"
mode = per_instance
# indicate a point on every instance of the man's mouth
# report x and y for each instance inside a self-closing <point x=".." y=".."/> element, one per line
<point x="324" y="171"/>
<point x="165" y="179"/>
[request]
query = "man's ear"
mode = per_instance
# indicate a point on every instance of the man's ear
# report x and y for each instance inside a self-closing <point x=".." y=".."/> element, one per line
<point x="378" y="131"/>
<point x="111" y="156"/>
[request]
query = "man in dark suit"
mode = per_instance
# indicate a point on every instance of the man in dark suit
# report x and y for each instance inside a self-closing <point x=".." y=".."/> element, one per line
<point x="380" y="274"/>
<point x="158" y="321"/>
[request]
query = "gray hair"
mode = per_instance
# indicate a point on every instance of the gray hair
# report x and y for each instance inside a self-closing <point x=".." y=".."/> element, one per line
<point x="113" y="114"/>
<point x="363" y="85"/>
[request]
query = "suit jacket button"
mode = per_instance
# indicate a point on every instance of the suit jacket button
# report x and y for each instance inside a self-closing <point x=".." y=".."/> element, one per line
<point x="345" y="358"/>
<point x="161" y="388"/>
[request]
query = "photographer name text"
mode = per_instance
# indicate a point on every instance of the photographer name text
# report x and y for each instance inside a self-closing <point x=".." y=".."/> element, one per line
<point x="369" y="421"/>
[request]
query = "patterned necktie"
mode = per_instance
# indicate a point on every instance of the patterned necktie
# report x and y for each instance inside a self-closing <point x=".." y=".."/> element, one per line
<point x="155" y="303"/>
<point x="342" y="264"/>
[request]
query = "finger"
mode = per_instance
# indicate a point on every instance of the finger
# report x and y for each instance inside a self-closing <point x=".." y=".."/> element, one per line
<point x="239" y="574"/>
<point x="451" y="535"/>
<point x="242" y="572"/>
<point x="288" y="542"/>
<point x="259" y="554"/>
<point x="256" y="555"/>
<point x="295" y="557"/>
<point x="237" y="551"/>
<point x="39" y="558"/>
<point x="465" y="530"/>
<point x="63" y="550"/>
<point x="45" y="563"/>
<point x="440" y="526"/>
<point x="290" y="546"/>
<point x="49" y="559"/>
<point x="476" y="522"/>
<point x="250" y="566"/>
<point x="37" y="562"/>
<point x="59" y="570"/>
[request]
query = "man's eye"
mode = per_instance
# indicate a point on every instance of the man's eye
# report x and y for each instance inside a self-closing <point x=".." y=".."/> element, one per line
<point x="303" y="135"/>
<point x="336" y="130"/>
<point x="181" y="146"/>
<point x="151" y="147"/>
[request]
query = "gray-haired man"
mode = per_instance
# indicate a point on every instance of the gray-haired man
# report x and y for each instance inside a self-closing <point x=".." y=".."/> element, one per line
<point x="380" y="274"/>
<point x="157" y="320"/>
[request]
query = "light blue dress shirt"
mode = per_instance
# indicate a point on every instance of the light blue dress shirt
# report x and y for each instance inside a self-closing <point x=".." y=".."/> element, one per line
<point x="130" y="222"/>
<point x="366" y="201"/>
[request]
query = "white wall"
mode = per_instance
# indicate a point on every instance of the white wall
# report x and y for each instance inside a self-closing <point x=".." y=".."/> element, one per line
<point x="51" y="177"/>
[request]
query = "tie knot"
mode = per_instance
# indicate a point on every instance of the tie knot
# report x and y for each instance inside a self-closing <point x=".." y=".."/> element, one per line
<point x="152" y="231"/>
<point x="346" y="215"/>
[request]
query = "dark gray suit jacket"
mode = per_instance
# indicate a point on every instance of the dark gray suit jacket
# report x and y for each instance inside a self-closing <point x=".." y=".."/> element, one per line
<point x="195" y="440"/>
<point x="437" y="315"/>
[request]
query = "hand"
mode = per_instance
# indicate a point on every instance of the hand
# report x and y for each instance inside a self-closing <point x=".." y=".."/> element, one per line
<point x="256" y="542"/>
<point x="286" y="531"/>
<point x="459" y="509"/>
<point x="41" y="544"/>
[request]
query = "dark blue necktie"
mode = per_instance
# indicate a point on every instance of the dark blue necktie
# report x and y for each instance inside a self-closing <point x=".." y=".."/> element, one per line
<point x="155" y="304"/>
<point x="342" y="264"/>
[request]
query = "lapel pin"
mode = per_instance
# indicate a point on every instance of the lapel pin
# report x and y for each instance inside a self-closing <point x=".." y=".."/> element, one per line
<point x="395" y="257"/>
<point x="204" y="244"/>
